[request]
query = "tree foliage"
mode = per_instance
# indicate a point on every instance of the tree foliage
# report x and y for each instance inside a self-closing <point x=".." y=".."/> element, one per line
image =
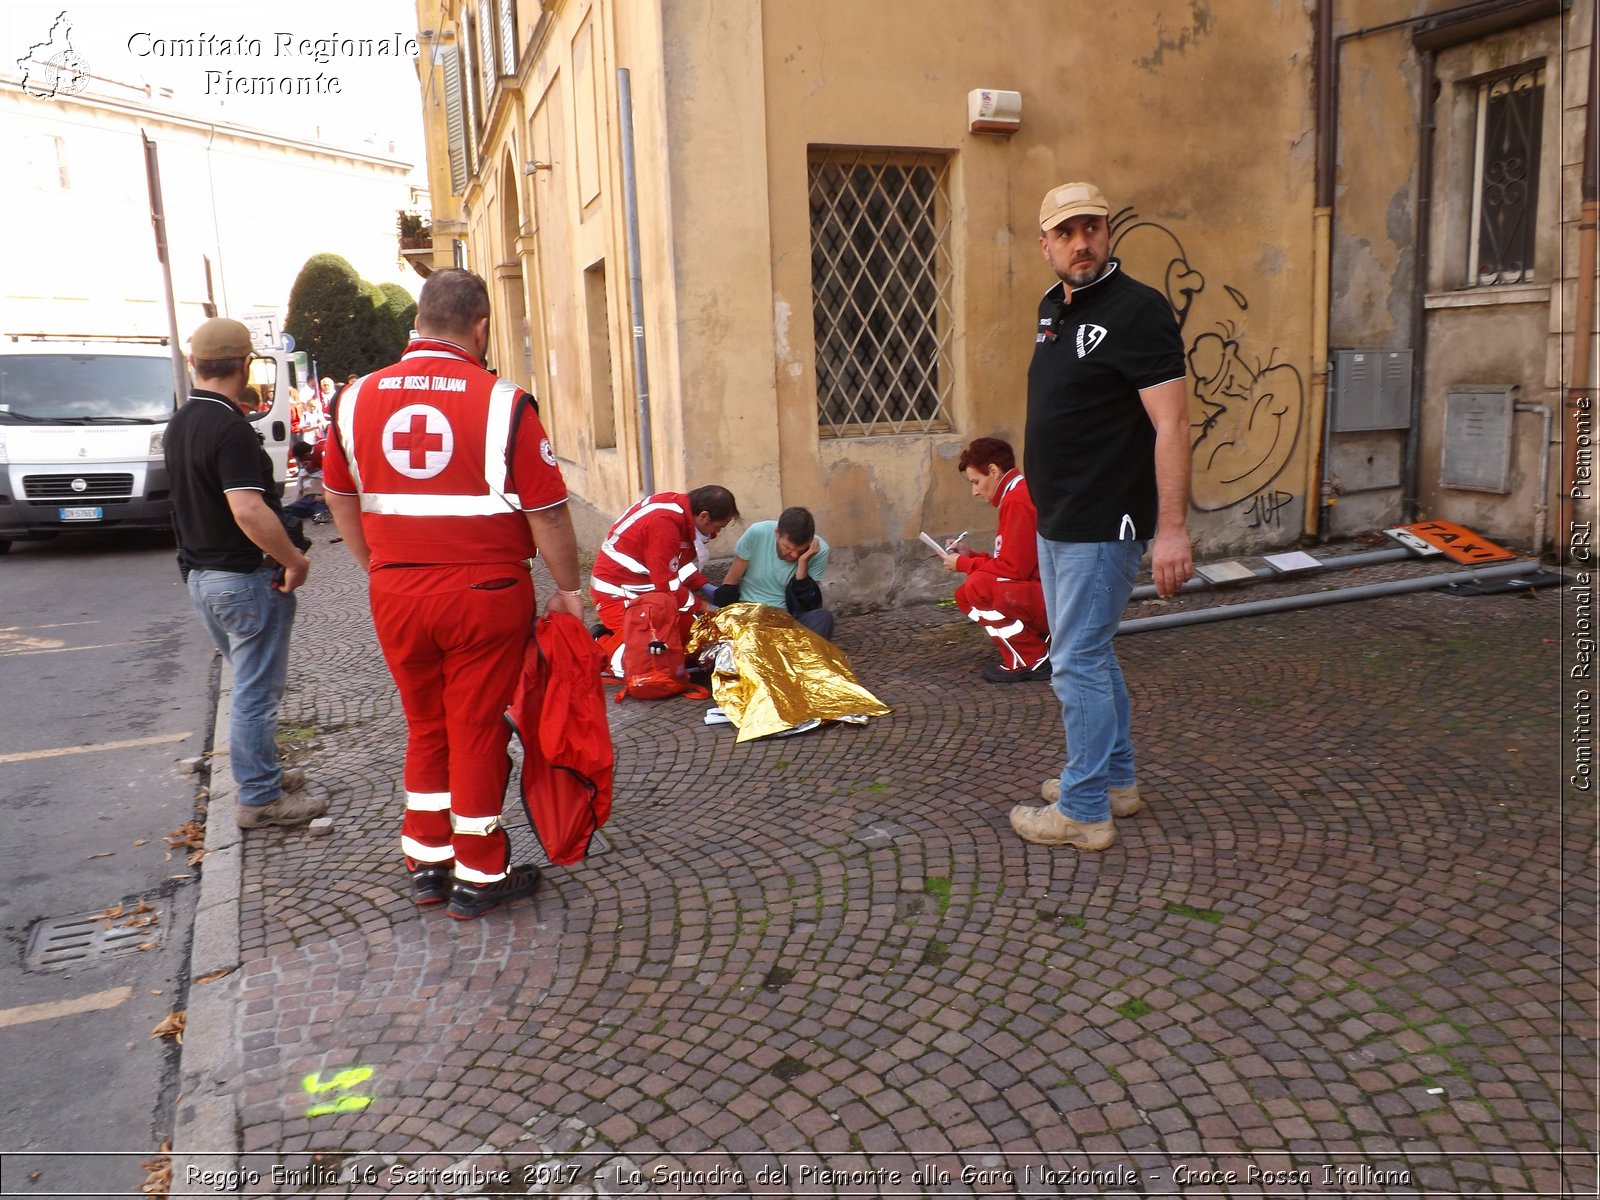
<point x="347" y="325"/>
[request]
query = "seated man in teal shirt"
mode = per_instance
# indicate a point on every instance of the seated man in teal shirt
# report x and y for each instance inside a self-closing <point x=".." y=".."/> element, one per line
<point x="780" y="563"/>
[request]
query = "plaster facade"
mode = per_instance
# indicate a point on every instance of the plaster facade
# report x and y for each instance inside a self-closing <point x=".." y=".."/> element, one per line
<point x="1200" y="123"/>
<point x="1513" y="335"/>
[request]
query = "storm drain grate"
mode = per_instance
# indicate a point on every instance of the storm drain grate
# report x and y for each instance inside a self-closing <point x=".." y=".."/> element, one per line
<point x="86" y="938"/>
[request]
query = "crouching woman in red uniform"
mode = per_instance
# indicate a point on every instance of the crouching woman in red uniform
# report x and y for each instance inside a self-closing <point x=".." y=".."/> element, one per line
<point x="1002" y="592"/>
<point x="443" y="484"/>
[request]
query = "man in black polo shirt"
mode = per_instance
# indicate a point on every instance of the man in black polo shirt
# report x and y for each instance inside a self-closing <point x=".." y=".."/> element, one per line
<point x="1107" y="458"/>
<point x="226" y="506"/>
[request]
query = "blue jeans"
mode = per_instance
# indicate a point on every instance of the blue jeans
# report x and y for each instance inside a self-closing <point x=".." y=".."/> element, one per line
<point x="250" y="623"/>
<point x="1086" y="588"/>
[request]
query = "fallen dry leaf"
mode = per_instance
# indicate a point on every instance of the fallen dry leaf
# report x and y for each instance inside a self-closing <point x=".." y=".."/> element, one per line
<point x="171" y="1026"/>
<point x="158" y="1181"/>
<point x="188" y="834"/>
<point x="194" y="859"/>
<point x="148" y="945"/>
<point x="102" y="854"/>
<point x="213" y="976"/>
<point x="140" y="842"/>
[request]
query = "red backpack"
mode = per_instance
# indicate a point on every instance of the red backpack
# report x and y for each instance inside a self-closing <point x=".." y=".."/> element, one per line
<point x="652" y="651"/>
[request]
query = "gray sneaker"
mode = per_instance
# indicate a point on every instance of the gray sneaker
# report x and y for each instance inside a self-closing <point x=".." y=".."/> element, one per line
<point x="285" y="810"/>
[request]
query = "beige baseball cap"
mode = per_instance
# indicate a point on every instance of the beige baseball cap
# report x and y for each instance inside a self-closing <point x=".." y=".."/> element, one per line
<point x="220" y="337"/>
<point x="1071" y="200"/>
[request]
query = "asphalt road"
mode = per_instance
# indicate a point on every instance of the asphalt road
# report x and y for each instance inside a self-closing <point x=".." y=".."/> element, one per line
<point x="106" y="680"/>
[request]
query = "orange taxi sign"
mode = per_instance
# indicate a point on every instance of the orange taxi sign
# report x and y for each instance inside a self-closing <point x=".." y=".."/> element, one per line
<point x="1455" y="542"/>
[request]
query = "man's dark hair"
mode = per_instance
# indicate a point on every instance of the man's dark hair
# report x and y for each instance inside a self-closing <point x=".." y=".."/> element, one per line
<point x="452" y="301"/>
<point x="217" y="368"/>
<point x="716" y="502"/>
<point x="986" y="452"/>
<point x="798" y="525"/>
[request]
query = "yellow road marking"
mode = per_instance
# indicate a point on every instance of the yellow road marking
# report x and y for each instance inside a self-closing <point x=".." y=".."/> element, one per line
<point x="94" y="1002"/>
<point x="60" y="751"/>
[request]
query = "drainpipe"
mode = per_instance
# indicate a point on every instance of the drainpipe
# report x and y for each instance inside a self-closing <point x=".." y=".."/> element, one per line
<point x="1327" y="65"/>
<point x="1419" y="288"/>
<point x="1541" y="509"/>
<point x="641" y="368"/>
<point x="1394" y="587"/>
<point x="1345" y="562"/>
<point x="1579" y="396"/>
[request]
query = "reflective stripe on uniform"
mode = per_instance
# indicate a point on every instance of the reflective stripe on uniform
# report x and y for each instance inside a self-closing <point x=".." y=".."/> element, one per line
<point x="495" y="454"/>
<point x="467" y="875"/>
<point x="345" y="424"/>
<point x="428" y="801"/>
<point x="414" y="849"/>
<point x="1006" y="631"/>
<point x="405" y="504"/>
<point x="474" y="826"/>
<point x="616" y="556"/>
<point x="626" y="591"/>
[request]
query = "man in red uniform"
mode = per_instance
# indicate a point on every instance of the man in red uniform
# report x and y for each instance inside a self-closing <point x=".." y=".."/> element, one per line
<point x="443" y="484"/>
<point x="656" y="546"/>
<point x="1002" y="592"/>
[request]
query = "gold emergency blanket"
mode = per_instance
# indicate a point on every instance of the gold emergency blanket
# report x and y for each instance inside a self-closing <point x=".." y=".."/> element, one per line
<point x="770" y="673"/>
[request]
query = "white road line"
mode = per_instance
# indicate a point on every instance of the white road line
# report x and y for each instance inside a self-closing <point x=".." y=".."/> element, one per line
<point x="60" y="751"/>
<point x="6" y="652"/>
<point x="57" y="625"/>
<point x="94" y="1002"/>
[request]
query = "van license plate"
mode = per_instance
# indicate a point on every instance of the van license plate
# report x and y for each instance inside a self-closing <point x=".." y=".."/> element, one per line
<point x="87" y="512"/>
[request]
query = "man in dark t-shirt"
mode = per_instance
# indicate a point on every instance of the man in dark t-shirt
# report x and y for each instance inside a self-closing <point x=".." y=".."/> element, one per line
<point x="1107" y="458"/>
<point x="226" y="508"/>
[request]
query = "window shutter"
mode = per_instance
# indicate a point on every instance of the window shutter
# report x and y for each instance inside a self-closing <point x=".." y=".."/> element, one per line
<point x="454" y="121"/>
<point x="508" y="37"/>
<point x="486" y="55"/>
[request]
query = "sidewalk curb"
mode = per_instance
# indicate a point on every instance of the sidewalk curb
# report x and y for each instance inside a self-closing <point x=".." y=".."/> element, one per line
<point x="205" y="1130"/>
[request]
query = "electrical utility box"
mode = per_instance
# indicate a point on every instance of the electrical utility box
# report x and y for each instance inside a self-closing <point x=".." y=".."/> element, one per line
<point x="1477" y="437"/>
<point x="1371" y="389"/>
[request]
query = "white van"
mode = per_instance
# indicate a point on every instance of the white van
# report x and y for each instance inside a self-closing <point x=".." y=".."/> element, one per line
<point x="81" y="426"/>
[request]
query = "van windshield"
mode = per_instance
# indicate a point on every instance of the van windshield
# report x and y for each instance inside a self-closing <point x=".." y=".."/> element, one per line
<point x="85" y="389"/>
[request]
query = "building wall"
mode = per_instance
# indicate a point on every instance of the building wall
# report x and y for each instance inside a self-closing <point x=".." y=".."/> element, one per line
<point x="1509" y="335"/>
<point x="82" y="255"/>
<point x="1211" y="203"/>
<point x="727" y="100"/>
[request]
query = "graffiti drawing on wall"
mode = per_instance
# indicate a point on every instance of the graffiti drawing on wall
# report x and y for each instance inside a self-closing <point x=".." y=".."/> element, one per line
<point x="1246" y="411"/>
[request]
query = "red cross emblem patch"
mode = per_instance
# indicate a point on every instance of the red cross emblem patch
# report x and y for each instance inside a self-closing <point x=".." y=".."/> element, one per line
<point x="418" y="441"/>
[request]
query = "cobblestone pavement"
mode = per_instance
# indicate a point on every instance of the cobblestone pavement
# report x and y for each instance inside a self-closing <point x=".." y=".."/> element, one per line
<point x="1348" y="948"/>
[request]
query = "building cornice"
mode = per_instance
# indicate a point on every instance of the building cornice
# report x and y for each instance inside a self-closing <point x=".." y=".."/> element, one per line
<point x="13" y="84"/>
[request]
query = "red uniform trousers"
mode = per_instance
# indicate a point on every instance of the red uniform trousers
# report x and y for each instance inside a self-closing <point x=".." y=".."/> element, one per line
<point x="455" y="649"/>
<point x="1011" y="611"/>
<point x="609" y="610"/>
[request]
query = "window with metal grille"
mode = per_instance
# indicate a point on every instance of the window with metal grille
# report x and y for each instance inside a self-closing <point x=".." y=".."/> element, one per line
<point x="1506" y="176"/>
<point x="880" y="290"/>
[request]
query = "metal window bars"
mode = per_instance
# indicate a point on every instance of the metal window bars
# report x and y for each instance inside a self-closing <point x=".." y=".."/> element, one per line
<point x="1510" y="112"/>
<point x="880" y="285"/>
